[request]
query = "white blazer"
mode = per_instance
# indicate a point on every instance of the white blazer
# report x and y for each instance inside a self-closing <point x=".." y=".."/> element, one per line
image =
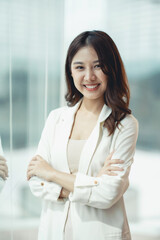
<point x="97" y="206"/>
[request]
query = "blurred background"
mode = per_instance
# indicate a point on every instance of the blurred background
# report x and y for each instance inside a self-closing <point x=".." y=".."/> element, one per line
<point x="34" y="37"/>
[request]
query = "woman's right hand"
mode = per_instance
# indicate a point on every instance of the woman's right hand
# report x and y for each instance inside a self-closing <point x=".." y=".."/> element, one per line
<point x="108" y="167"/>
<point x="3" y="168"/>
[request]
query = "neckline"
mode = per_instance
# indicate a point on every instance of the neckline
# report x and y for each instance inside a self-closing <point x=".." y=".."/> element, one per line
<point x="104" y="114"/>
<point x="70" y="139"/>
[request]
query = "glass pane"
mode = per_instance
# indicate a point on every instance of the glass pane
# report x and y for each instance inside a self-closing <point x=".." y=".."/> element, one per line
<point x="33" y="32"/>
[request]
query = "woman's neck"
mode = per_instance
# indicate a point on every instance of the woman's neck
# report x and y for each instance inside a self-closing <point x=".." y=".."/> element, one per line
<point x="91" y="106"/>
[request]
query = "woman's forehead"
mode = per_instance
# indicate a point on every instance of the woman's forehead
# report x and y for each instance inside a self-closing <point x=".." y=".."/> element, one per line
<point x="86" y="53"/>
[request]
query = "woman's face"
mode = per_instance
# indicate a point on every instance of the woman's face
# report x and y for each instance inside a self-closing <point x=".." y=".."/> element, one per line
<point x="87" y="74"/>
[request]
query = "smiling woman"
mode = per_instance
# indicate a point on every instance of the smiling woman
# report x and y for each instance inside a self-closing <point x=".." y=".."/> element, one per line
<point x="86" y="149"/>
<point x="98" y="46"/>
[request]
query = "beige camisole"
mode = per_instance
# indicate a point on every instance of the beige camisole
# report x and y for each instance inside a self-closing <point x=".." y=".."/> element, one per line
<point x="73" y="155"/>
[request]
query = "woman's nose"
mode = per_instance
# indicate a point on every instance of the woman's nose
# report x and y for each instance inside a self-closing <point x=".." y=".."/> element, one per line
<point x="89" y="75"/>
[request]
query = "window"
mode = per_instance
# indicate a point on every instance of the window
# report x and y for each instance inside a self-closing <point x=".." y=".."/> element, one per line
<point x="31" y="40"/>
<point x="34" y="38"/>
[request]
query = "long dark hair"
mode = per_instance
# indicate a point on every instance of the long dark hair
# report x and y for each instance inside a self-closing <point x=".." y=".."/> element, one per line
<point x="117" y="94"/>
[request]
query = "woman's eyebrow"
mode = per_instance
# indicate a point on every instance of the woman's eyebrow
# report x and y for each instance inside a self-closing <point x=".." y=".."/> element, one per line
<point x="78" y="63"/>
<point x="96" y="61"/>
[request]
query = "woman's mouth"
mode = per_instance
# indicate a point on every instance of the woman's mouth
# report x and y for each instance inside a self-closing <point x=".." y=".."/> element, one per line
<point x="92" y="87"/>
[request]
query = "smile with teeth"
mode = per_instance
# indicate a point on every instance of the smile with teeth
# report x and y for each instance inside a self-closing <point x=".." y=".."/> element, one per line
<point x="91" y="86"/>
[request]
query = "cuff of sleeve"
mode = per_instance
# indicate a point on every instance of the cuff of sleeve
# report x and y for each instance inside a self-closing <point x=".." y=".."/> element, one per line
<point x="46" y="190"/>
<point x="51" y="191"/>
<point x="83" y="187"/>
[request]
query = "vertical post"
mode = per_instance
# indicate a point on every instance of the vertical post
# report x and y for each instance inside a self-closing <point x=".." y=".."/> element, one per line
<point x="46" y="61"/>
<point x="10" y="113"/>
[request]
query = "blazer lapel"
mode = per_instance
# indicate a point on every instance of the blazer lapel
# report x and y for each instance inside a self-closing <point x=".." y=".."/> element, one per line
<point x="62" y="133"/>
<point x="92" y="142"/>
<point x="88" y="150"/>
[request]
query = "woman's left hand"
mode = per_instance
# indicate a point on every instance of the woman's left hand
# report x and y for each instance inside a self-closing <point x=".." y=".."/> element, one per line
<point x="40" y="168"/>
<point x="109" y="167"/>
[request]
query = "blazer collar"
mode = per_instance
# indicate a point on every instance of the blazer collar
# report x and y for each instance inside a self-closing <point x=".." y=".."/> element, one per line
<point x="104" y="114"/>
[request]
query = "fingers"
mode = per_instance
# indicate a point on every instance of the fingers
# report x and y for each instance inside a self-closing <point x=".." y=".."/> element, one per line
<point x="39" y="157"/>
<point x="111" y="173"/>
<point x="109" y="157"/>
<point x="3" y="163"/>
<point x="30" y="172"/>
<point x="115" y="161"/>
<point x="35" y="159"/>
<point x="110" y="166"/>
<point x="29" y="176"/>
<point x="38" y="167"/>
<point x="3" y="168"/>
<point x="109" y="170"/>
<point x="32" y="163"/>
<point x="113" y="168"/>
<point x="110" y="161"/>
<point x="64" y="193"/>
<point x="2" y="159"/>
<point x="3" y="173"/>
<point x="32" y="166"/>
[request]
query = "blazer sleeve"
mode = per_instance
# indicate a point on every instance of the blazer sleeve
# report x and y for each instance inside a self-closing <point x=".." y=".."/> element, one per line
<point x="39" y="187"/>
<point x="103" y="192"/>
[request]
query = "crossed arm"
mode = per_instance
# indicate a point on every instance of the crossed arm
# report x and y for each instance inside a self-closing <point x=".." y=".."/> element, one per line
<point x="53" y="185"/>
<point x="42" y="169"/>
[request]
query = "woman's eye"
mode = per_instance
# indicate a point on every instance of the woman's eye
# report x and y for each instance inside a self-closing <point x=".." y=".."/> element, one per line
<point x="79" y="67"/>
<point x="97" y="66"/>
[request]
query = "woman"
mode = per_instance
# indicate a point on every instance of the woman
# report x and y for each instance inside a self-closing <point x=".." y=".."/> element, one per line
<point x="82" y="189"/>
<point x="3" y="168"/>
